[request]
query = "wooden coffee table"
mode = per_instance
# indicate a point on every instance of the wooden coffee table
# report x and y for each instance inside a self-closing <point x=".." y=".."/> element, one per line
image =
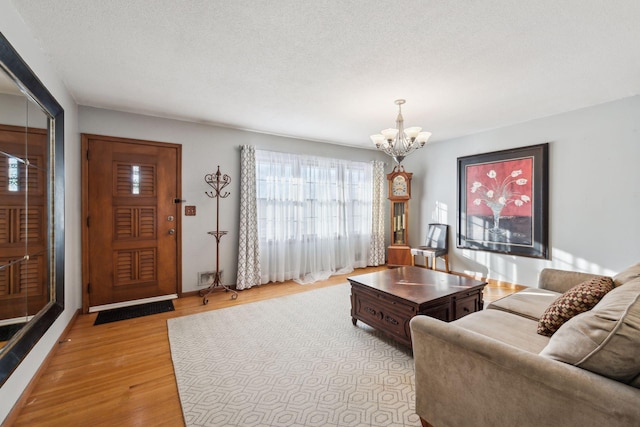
<point x="387" y="300"/>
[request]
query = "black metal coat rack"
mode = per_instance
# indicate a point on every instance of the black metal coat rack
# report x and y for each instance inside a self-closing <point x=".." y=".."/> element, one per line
<point x="218" y="182"/>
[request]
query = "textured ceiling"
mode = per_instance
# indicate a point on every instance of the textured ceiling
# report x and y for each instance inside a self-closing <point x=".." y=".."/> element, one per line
<point x="331" y="70"/>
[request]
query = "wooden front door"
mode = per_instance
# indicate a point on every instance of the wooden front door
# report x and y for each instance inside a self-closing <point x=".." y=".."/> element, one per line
<point x="131" y="198"/>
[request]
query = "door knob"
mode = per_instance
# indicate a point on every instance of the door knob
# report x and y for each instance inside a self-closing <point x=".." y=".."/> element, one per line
<point x="172" y="231"/>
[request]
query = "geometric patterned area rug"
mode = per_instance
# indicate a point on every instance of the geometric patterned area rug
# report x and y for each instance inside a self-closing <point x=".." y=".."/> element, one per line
<point x="290" y="361"/>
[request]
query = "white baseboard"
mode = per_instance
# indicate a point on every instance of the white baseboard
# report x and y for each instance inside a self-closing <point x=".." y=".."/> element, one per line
<point x="130" y="303"/>
<point x="15" y="320"/>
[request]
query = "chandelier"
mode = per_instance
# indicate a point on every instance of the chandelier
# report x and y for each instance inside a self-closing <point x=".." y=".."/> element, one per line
<point x="400" y="142"/>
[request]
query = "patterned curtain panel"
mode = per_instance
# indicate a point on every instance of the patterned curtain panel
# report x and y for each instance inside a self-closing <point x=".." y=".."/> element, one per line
<point x="314" y="216"/>
<point x="377" y="250"/>
<point x="249" y="248"/>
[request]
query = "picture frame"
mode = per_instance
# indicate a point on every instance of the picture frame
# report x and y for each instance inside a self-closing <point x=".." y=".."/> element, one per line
<point x="503" y="201"/>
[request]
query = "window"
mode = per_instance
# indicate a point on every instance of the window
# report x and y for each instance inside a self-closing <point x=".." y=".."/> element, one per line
<point x="135" y="179"/>
<point x="13" y="174"/>
<point x="314" y="215"/>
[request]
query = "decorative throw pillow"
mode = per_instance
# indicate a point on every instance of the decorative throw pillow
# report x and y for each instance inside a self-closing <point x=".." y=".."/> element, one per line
<point x="580" y="298"/>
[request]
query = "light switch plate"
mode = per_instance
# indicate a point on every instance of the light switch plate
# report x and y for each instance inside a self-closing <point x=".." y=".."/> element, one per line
<point x="189" y="211"/>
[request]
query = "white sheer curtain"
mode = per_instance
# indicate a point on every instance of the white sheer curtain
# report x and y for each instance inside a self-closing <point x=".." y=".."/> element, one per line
<point x="314" y="216"/>
<point x="248" y="248"/>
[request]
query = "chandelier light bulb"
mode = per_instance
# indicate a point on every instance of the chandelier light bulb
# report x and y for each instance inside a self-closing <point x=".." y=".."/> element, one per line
<point x="423" y="137"/>
<point x="389" y="134"/>
<point x="378" y="140"/>
<point x="413" y="132"/>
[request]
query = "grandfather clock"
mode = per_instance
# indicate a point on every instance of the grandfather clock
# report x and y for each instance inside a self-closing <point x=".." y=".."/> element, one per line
<point x="399" y="252"/>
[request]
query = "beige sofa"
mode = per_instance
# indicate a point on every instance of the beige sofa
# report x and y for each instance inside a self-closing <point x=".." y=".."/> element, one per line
<point x="492" y="368"/>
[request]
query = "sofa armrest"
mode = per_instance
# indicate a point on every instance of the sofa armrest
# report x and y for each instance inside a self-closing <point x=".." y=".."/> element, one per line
<point x="562" y="280"/>
<point x="466" y="379"/>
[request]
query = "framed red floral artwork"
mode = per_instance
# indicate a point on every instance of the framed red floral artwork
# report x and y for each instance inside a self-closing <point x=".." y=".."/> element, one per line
<point x="503" y="201"/>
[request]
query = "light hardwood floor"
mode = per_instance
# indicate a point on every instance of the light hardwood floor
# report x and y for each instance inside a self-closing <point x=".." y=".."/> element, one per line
<point x="121" y="374"/>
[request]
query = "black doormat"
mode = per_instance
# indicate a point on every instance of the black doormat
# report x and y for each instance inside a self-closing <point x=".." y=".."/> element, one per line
<point x="125" y="313"/>
<point x="7" y="331"/>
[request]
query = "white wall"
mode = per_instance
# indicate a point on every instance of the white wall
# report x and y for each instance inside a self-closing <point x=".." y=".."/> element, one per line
<point x="14" y="29"/>
<point x="204" y="147"/>
<point x="594" y="198"/>
<point x="20" y="111"/>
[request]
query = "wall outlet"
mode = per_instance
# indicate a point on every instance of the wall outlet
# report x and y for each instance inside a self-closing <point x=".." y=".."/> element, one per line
<point x="189" y="211"/>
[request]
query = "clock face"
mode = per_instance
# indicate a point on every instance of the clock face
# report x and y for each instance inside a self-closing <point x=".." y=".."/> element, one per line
<point x="399" y="186"/>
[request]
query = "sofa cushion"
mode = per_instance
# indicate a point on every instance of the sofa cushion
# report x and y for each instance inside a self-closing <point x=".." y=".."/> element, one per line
<point x="511" y="329"/>
<point x="530" y="303"/>
<point x="627" y="275"/>
<point x="580" y="298"/>
<point x="606" y="339"/>
<point x="562" y="280"/>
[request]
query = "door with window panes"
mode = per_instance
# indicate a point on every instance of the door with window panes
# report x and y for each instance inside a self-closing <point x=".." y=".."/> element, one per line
<point x="133" y="219"/>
